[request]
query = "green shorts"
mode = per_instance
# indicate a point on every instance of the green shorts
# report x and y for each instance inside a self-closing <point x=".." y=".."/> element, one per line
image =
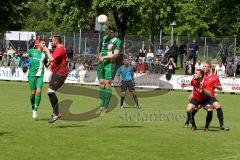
<point x="35" y="82"/>
<point x="106" y="70"/>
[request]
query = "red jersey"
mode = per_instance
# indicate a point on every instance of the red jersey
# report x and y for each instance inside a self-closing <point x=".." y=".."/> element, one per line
<point x="209" y="83"/>
<point x="59" y="66"/>
<point x="198" y="93"/>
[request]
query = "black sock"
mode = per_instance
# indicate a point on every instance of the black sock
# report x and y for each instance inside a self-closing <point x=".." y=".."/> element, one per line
<point x="220" y="116"/>
<point x="135" y="99"/>
<point x="191" y="118"/>
<point x="194" y="112"/>
<point x="208" y="118"/>
<point x="188" y="118"/>
<point x="122" y="99"/>
<point x="54" y="102"/>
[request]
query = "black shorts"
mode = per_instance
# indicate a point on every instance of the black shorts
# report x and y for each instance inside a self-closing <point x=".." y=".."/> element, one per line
<point x="127" y="85"/>
<point x="56" y="81"/>
<point x="208" y="101"/>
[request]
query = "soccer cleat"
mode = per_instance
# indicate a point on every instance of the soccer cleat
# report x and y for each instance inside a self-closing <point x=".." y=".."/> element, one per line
<point x="138" y="107"/>
<point x="206" y="129"/>
<point x="194" y="128"/>
<point x="224" y="128"/>
<point x="34" y="114"/>
<point x="53" y="118"/>
<point x="186" y="125"/>
<point x="121" y="106"/>
<point x="99" y="110"/>
<point x="103" y="112"/>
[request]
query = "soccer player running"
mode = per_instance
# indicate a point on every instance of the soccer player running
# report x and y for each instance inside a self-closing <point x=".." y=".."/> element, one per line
<point x="35" y="74"/>
<point x="210" y="83"/>
<point x="110" y="49"/>
<point x="125" y="72"/>
<point x="198" y="97"/>
<point x="59" y="71"/>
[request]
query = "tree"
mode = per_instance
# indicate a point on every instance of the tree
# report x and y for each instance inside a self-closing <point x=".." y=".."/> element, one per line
<point x="12" y="13"/>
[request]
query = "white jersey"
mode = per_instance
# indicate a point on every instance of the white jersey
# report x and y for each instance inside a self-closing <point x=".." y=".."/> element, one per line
<point x="220" y="71"/>
<point x="197" y="66"/>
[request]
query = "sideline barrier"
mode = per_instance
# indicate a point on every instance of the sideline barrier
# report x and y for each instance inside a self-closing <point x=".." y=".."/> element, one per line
<point x="142" y="80"/>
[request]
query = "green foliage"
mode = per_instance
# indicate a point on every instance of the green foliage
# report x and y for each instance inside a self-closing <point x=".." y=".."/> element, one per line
<point x="138" y="17"/>
<point x="11" y="14"/>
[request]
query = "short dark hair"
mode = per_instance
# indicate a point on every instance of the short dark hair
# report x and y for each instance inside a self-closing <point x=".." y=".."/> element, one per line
<point x="58" y="38"/>
<point x="201" y="71"/>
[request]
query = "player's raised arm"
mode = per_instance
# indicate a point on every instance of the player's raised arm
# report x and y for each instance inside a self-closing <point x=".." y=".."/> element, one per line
<point x="49" y="55"/>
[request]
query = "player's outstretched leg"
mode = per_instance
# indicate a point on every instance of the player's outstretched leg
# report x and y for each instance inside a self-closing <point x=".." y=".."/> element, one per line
<point x="108" y="95"/>
<point x="135" y="99"/>
<point x="37" y="100"/>
<point x="101" y="96"/>
<point x="54" y="102"/>
<point x="190" y="109"/>
<point x="32" y="98"/>
<point x="208" y="120"/>
<point x="217" y="105"/>
<point x="188" y="118"/>
<point x="122" y="99"/>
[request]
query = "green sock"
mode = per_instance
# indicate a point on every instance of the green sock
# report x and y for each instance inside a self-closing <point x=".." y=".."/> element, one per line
<point x="108" y="94"/>
<point x="102" y="96"/>
<point x="32" y="100"/>
<point x="37" y="102"/>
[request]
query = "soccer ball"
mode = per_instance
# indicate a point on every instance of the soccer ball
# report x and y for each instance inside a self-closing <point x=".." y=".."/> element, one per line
<point x="102" y="18"/>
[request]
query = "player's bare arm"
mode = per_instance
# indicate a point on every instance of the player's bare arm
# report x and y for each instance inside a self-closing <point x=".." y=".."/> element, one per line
<point x="111" y="56"/>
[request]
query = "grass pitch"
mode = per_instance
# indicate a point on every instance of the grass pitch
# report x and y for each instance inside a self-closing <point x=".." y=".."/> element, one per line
<point x="122" y="134"/>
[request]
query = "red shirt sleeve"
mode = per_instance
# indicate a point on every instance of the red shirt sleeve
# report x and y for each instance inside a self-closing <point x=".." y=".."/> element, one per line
<point x="194" y="83"/>
<point x="217" y="83"/>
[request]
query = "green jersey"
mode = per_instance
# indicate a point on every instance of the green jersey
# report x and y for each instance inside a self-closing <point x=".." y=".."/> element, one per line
<point x="37" y="61"/>
<point x="109" y="45"/>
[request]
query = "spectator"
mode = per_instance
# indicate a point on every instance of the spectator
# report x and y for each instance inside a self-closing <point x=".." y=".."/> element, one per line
<point x="1" y="53"/>
<point x="189" y="68"/>
<point x="10" y="53"/>
<point x="174" y="52"/>
<point x="198" y="65"/>
<point x="159" y="51"/>
<point x="31" y="42"/>
<point x="90" y="63"/>
<point x="142" y="54"/>
<point x="230" y="58"/>
<point x="69" y="53"/>
<point x="157" y="65"/>
<point x="15" y="63"/>
<point x="141" y="66"/>
<point x="220" y="70"/>
<point x="141" y="60"/>
<point x="193" y="52"/>
<point x="4" y="59"/>
<point x="231" y="70"/>
<point x="79" y="68"/>
<point x="133" y="63"/>
<point x="171" y="66"/>
<point x="183" y="53"/>
<point x="150" y="57"/>
<point x="164" y="60"/>
<point x="224" y="54"/>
